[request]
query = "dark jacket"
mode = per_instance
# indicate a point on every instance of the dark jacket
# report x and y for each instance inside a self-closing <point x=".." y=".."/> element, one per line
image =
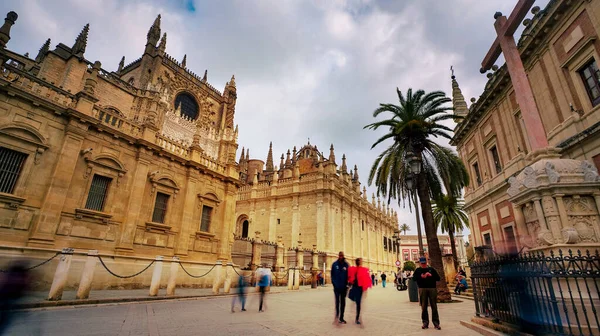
<point x="339" y="274"/>
<point x="428" y="282"/>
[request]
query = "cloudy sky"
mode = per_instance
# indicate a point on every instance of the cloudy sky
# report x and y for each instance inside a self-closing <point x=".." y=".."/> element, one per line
<point x="304" y="69"/>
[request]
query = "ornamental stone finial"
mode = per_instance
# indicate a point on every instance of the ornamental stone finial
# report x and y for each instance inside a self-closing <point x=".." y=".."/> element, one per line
<point x="11" y="17"/>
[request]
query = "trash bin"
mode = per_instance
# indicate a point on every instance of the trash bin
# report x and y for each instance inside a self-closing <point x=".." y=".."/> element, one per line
<point x="413" y="290"/>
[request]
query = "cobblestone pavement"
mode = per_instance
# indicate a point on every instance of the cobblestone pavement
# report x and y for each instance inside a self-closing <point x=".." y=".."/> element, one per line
<point x="309" y="312"/>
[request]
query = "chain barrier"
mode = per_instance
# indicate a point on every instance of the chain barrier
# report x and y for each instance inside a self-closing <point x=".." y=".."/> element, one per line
<point x="284" y="276"/>
<point x="196" y="276"/>
<point x="243" y="276"/>
<point x="303" y="277"/>
<point x="38" y="265"/>
<point x="124" y="276"/>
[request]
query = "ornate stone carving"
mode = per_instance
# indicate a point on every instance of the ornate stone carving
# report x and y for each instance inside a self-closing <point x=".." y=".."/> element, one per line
<point x="590" y="173"/>
<point x="570" y="235"/>
<point x="544" y="238"/>
<point x="530" y="178"/>
<point x="533" y="228"/>
<point x="553" y="175"/>
<point x="585" y="228"/>
<point x="578" y="205"/>
<point x="514" y="186"/>
<point x="529" y="213"/>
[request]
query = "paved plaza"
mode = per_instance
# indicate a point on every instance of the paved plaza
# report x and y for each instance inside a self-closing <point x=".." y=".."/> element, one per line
<point x="307" y="312"/>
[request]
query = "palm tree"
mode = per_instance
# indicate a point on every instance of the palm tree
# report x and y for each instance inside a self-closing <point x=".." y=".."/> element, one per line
<point x="413" y="124"/>
<point x="450" y="216"/>
<point x="404" y="227"/>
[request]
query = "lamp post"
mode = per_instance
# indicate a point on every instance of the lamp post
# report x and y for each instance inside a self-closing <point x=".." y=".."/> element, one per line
<point x="414" y="169"/>
<point x="396" y="237"/>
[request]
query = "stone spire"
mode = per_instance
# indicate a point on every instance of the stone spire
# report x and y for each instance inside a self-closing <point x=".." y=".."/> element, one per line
<point x="81" y="42"/>
<point x="364" y="193"/>
<point x="281" y="163"/>
<point x="11" y="17"/>
<point x="458" y="100"/>
<point x="269" y="166"/>
<point x="121" y="64"/>
<point x="43" y="51"/>
<point x="331" y="155"/>
<point x="247" y="154"/>
<point x="288" y="161"/>
<point x="162" y="45"/>
<point x="294" y="151"/>
<point x="355" y="173"/>
<point x="242" y="156"/>
<point x="184" y="61"/>
<point x="205" y="77"/>
<point x="154" y="32"/>
<point x="344" y="168"/>
<point x="373" y="198"/>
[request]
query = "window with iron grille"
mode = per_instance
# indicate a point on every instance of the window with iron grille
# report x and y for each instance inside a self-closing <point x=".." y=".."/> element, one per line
<point x="496" y="159"/>
<point x="160" y="208"/>
<point x="188" y="105"/>
<point x="206" y="214"/>
<point x="477" y="173"/>
<point x="11" y="164"/>
<point x="591" y="80"/>
<point x="97" y="193"/>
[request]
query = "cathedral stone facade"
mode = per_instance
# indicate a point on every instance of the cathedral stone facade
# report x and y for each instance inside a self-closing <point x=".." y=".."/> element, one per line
<point x="133" y="162"/>
<point x="312" y="200"/>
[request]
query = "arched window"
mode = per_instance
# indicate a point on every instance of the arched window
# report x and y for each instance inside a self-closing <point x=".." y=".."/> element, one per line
<point x="245" y="229"/>
<point x="188" y="105"/>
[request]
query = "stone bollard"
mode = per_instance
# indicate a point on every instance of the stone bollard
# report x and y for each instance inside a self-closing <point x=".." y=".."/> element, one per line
<point x="217" y="277"/>
<point x="61" y="274"/>
<point x="87" y="276"/>
<point x="228" y="275"/>
<point x="173" y="276"/>
<point x="155" y="283"/>
<point x="296" y="279"/>
<point x="290" y="283"/>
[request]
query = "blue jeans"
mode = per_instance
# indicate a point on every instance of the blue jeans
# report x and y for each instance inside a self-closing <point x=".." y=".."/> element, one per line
<point x="383" y="283"/>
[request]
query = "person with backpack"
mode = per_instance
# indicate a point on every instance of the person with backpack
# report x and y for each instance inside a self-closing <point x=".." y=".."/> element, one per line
<point x="358" y="278"/>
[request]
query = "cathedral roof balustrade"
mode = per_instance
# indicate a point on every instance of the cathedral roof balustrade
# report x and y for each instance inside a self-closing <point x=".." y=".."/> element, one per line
<point x="172" y="146"/>
<point x="175" y="65"/>
<point x="115" y="121"/>
<point x="35" y="86"/>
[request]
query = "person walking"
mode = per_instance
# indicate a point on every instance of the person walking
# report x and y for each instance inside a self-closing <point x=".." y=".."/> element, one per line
<point x="263" y="283"/>
<point x="358" y="277"/>
<point x="426" y="277"/>
<point x="373" y="279"/>
<point x="339" y="279"/>
<point x="241" y="290"/>
<point x="383" y="279"/>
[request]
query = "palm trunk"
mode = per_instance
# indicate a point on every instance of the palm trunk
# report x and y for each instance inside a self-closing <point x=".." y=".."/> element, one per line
<point x="453" y="246"/>
<point x="419" y="234"/>
<point x="435" y="254"/>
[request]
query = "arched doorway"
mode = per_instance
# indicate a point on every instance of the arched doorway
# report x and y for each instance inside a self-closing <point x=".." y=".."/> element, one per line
<point x="245" y="228"/>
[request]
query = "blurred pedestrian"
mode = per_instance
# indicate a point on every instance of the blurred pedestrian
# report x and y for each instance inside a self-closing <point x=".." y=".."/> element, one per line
<point x="241" y="291"/>
<point x="373" y="279"/>
<point x="358" y="277"/>
<point x="13" y="287"/>
<point x="339" y="279"/>
<point x="426" y="278"/>
<point x="383" y="279"/>
<point x="263" y="283"/>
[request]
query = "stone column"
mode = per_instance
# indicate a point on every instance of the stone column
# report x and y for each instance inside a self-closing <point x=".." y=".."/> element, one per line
<point x="173" y="276"/>
<point x="228" y="275"/>
<point x="291" y="276"/>
<point x="295" y="220"/>
<point x="299" y="256"/>
<point x="156" y="274"/>
<point x="562" y="212"/>
<point x="537" y="203"/>
<point x="217" y="277"/>
<point x="188" y="224"/>
<point x="87" y="276"/>
<point x="228" y="223"/>
<point x="136" y="199"/>
<point x="45" y="224"/>
<point x="520" y="223"/>
<point x="60" y="275"/>
<point x="296" y="278"/>
<point x="279" y="252"/>
<point x="552" y="217"/>
<point x="272" y="234"/>
<point x="256" y="251"/>
<point x="320" y="222"/>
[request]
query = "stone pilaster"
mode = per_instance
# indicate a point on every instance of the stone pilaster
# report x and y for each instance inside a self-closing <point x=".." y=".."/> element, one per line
<point x="45" y="226"/>
<point x="272" y="221"/>
<point x="228" y="223"/>
<point x="188" y="224"/>
<point x="256" y="251"/>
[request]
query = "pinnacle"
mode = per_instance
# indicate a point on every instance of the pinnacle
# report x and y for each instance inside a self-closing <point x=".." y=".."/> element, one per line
<point x="184" y="61"/>
<point x="43" y="50"/>
<point x="205" y="77"/>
